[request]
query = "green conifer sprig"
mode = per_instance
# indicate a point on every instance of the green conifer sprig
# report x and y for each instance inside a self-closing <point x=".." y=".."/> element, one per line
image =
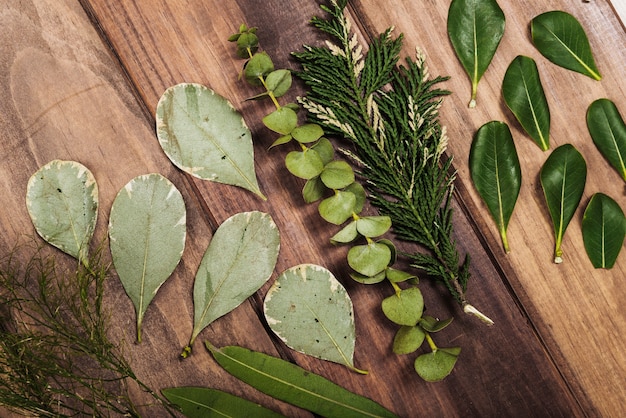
<point x="390" y="113"/>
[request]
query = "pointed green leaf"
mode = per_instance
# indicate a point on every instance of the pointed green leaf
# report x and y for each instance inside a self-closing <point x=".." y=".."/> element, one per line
<point x="304" y="164"/>
<point x="369" y="259"/>
<point x="430" y="324"/>
<point x="306" y="133"/>
<point x="198" y="402"/>
<point x="608" y="132"/>
<point x="338" y="208"/>
<point x="405" y="307"/>
<point x="281" y="140"/>
<point x="239" y="260"/>
<point x="260" y="65"/>
<point x="62" y="201"/>
<point x="523" y="94"/>
<point x="563" y="178"/>
<point x="604" y="228"/>
<point x="147" y="230"/>
<point x="435" y="366"/>
<point x="313" y="190"/>
<point x="408" y="340"/>
<point x="203" y="135"/>
<point x="337" y="175"/>
<point x="373" y="226"/>
<point x="398" y="276"/>
<point x="282" y="121"/>
<point x="346" y="235"/>
<point x="290" y="383"/>
<point x="560" y="38"/>
<point x="325" y="149"/>
<point x="279" y="82"/>
<point x="475" y="28"/>
<point x="311" y="312"/>
<point x="496" y="172"/>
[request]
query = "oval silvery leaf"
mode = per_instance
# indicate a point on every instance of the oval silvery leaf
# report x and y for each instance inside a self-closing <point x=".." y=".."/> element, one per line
<point x="203" y="135"/>
<point x="475" y="28"/>
<point x="560" y="38"/>
<point x="239" y="260"/>
<point x="563" y="177"/>
<point x="62" y="201"/>
<point x="311" y="312"/>
<point x="524" y="95"/>
<point x="496" y="173"/>
<point x="147" y="231"/>
<point x="604" y="228"/>
<point x="608" y="132"/>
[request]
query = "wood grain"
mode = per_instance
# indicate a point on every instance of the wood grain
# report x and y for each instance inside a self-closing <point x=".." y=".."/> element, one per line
<point x="84" y="78"/>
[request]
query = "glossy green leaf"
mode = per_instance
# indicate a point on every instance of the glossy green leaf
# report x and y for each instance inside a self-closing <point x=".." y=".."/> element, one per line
<point x="369" y="259"/>
<point x="311" y="312"/>
<point x="290" y="383"/>
<point x="604" y="228"/>
<point x="524" y="95"/>
<point x="62" y="201"/>
<point x="563" y="178"/>
<point x="496" y="172"/>
<point x="337" y="175"/>
<point x="408" y="339"/>
<point x="198" y="402"/>
<point x="304" y="164"/>
<point x="338" y="208"/>
<point x="560" y="38"/>
<point x="405" y="307"/>
<point x="282" y="121"/>
<point x="307" y="133"/>
<point x="147" y="230"/>
<point x="203" y="135"/>
<point x="260" y="65"/>
<point x="278" y="82"/>
<point x="435" y="366"/>
<point x="347" y="234"/>
<point x="608" y="132"/>
<point x="373" y="226"/>
<point x="239" y="260"/>
<point x="475" y="28"/>
<point x="313" y="190"/>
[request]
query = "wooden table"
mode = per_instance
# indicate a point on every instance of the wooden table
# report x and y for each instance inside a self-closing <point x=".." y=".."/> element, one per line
<point x="81" y="82"/>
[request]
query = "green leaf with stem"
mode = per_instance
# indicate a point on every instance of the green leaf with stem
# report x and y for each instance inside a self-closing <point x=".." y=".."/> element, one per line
<point x="405" y="307"/>
<point x="604" y="228"/>
<point x="338" y="208"/>
<point x="369" y="259"/>
<point x="305" y="164"/>
<point x="608" y="132"/>
<point x="337" y="175"/>
<point x="408" y="339"/>
<point x="435" y="366"/>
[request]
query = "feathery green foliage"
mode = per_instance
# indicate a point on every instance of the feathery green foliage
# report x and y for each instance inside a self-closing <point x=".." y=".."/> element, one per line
<point x="389" y="112"/>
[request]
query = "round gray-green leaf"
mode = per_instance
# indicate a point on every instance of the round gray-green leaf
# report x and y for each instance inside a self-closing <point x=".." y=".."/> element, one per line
<point x="203" y="135"/>
<point x="604" y="228"/>
<point x="369" y="259"/>
<point x="435" y="366"/>
<point x="608" y="132"/>
<point x="560" y="38"/>
<point x="305" y="164"/>
<point x="496" y="173"/>
<point x="475" y="28"/>
<point x="408" y="339"/>
<point x="338" y="208"/>
<point x="239" y="260"/>
<point x="337" y="175"/>
<point x="524" y="95"/>
<point x="278" y="82"/>
<point x="147" y="230"/>
<point x="373" y="226"/>
<point x="405" y="307"/>
<point x="282" y="121"/>
<point x="62" y="201"/>
<point x="563" y="177"/>
<point x="312" y="313"/>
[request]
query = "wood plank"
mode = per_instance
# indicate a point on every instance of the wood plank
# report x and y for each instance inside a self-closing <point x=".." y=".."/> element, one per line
<point x="568" y="301"/>
<point x="161" y="43"/>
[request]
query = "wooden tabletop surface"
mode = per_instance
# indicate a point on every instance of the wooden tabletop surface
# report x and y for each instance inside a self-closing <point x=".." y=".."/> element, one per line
<point x="81" y="82"/>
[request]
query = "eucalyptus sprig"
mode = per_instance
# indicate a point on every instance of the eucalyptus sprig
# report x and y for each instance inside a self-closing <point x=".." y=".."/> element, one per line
<point x="389" y="112"/>
<point x="331" y="182"/>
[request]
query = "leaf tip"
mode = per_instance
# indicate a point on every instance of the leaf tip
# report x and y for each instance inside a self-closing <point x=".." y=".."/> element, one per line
<point x="186" y="352"/>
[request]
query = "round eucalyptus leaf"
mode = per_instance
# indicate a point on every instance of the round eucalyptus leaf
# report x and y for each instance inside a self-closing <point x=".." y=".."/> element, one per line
<point x="359" y="193"/>
<point x="62" y="201"/>
<point x="373" y="226"/>
<point x="313" y="190"/>
<point x="278" y="82"/>
<point x="307" y="133"/>
<point x="360" y="278"/>
<point x="312" y="313"/>
<point x="325" y="149"/>
<point x="346" y="235"/>
<point x="398" y="276"/>
<point x="435" y="366"/>
<point x="282" y="121"/>
<point x="338" y="208"/>
<point x="392" y="247"/>
<point x="304" y="164"/>
<point x="405" y="307"/>
<point x="431" y="324"/>
<point x="260" y="65"/>
<point x="337" y="175"/>
<point x="408" y="340"/>
<point x="369" y="259"/>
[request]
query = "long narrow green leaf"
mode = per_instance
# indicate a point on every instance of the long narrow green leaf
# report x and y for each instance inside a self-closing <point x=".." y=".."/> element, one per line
<point x="560" y="38"/>
<point x="295" y="385"/>
<point x="197" y="402"/>
<point x="147" y="230"/>
<point x="604" y="229"/>
<point x="496" y="173"/>
<point x="475" y="28"/>
<point x="523" y="94"/>
<point x="239" y="260"/>
<point x="62" y="201"/>
<point x="608" y="132"/>
<point x="563" y="178"/>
